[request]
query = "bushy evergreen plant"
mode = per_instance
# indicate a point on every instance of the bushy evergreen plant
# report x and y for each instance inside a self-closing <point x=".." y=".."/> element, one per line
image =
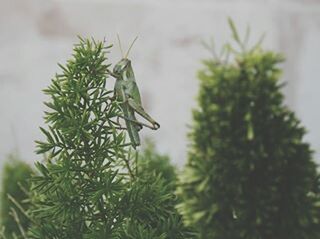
<point x="152" y="162"/>
<point x="250" y="174"/>
<point x="90" y="185"/>
<point x="159" y="177"/>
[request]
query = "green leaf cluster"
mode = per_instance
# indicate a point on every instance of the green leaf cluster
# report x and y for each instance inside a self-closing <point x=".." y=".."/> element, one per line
<point x="249" y="174"/>
<point x="15" y="184"/>
<point x="77" y="193"/>
<point x="156" y="183"/>
<point x="152" y="163"/>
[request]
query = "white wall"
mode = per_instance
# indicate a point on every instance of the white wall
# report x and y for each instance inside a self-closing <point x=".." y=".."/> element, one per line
<point x="36" y="34"/>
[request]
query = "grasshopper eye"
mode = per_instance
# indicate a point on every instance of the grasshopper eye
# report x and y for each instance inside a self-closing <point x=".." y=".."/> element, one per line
<point x="117" y="69"/>
<point x="123" y="67"/>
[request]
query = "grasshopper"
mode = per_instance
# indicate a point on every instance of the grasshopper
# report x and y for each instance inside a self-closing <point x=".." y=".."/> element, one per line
<point x="126" y="92"/>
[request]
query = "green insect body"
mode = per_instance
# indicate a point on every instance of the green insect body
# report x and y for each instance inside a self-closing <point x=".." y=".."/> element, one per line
<point x="127" y="93"/>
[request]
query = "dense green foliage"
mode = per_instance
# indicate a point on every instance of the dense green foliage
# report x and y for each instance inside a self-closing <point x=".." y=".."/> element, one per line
<point x="249" y="173"/>
<point x="90" y="185"/>
<point x="151" y="162"/>
<point x="157" y="183"/>
<point x="77" y="191"/>
<point x="15" y="182"/>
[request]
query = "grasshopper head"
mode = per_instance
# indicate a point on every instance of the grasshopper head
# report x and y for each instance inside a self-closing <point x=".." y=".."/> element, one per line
<point x="121" y="66"/>
<point x="124" y="65"/>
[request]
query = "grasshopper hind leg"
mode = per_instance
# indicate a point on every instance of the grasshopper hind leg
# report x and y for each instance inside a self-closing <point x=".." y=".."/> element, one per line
<point x="139" y="109"/>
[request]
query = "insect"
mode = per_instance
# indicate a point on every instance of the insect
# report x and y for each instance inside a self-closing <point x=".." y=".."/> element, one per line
<point x="126" y="92"/>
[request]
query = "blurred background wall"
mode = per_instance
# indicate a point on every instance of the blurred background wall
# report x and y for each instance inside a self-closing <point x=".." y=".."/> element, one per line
<point x="36" y="34"/>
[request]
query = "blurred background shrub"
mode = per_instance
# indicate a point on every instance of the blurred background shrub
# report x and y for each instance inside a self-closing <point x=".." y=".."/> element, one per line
<point x="249" y="174"/>
<point x="157" y="182"/>
<point x="16" y="183"/>
<point x="152" y="162"/>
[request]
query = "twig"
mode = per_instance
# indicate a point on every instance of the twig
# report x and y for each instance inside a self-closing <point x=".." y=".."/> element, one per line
<point x="2" y="235"/>
<point x="16" y="218"/>
<point x="128" y="165"/>
<point x="20" y="207"/>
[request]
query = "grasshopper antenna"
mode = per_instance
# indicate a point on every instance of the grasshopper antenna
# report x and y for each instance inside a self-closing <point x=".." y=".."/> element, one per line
<point x="120" y="45"/>
<point x="130" y="47"/>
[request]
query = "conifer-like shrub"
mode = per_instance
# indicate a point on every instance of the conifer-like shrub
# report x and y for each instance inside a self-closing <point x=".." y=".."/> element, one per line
<point x="14" y="186"/>
<point x="78" y="190"/>
<point x="152" y="162"/>
<point x="158" y="177"/>
<point x="89" y="186"/>
<point x="249" y="173"/>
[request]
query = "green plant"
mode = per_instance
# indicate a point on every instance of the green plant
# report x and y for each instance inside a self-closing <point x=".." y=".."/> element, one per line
<point x="15" y="185"/>
<point x="90" y="186"/>
<point x="249" y="173"/>
<point x="156" y="182"/>
<point x="151" y="162"/>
